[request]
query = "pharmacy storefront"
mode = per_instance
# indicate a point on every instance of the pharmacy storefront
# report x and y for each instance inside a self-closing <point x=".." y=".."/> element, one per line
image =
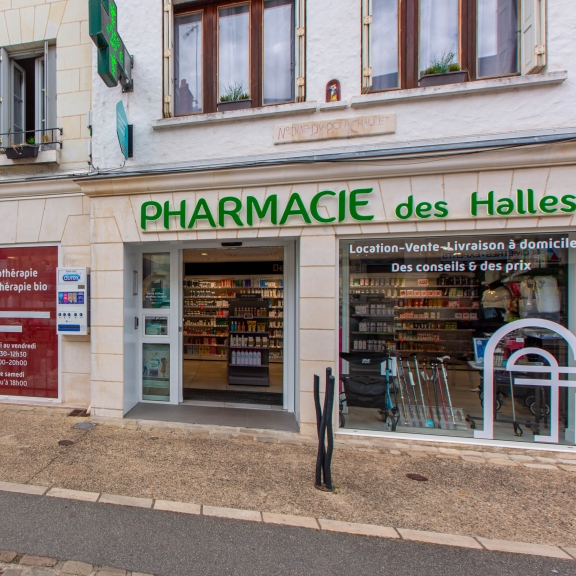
<point x="442" y="303"/>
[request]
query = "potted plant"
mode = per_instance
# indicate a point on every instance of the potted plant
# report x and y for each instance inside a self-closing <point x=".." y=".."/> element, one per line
<point x="443" y="71"/>
<point x="28" y="149"/>
<point x="235" y="97"/>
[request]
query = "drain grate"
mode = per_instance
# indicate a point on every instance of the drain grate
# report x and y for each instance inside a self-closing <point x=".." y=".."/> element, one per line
<point x="84" y="426"/>
<point x="65" y="442"/>
<point x="417" y="477"/>
<point x="78" y="413"/>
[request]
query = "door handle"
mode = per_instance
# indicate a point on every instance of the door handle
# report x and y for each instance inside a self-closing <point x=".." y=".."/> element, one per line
<point x="136" y="323"/>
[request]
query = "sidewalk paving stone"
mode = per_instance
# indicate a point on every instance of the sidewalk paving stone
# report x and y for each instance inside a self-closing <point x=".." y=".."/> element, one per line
<point x="12" y="572"/>
<point x="232" y="513"/>
<point x="290" y="520"/>
<point x="439" y="538"/>
<point x="125" y="501"/>
<point x="77" y="568"/>
<point x="571" y="551"/>
<point x="523" y="548"/>
<point x="539" y="466"/>
<point x="23" y="488"/>
<point x="359" y="529"/>
<point x="107" y="571"/>
<point x="73" y="494"/>
<point x="38" y="561"/>
<point x="567" y="467"/>
<point x="182" y="507"/>
<point x="7" y="556"/>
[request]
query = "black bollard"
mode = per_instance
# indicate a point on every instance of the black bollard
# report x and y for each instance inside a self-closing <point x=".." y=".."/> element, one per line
<point x="324" y="426"/>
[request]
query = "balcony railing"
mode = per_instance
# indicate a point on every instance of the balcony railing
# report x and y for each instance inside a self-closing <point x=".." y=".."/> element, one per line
<point x="45" y="139"/>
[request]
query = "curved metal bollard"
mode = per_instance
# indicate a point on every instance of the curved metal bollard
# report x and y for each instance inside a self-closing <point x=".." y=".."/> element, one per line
<point x="324" y="428"/>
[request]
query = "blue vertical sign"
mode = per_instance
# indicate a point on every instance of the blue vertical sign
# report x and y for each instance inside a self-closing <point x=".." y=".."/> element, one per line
<point x="122" y="129"/>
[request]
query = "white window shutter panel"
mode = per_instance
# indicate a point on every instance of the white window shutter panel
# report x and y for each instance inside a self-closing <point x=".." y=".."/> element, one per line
<point x="366" y="46"/>
<point x="168" y="42"/>
<point x="533" y="39"/>
<point x="4" y="97"/>
<point x="300" y="56"/>
<point x="51" y="107"/>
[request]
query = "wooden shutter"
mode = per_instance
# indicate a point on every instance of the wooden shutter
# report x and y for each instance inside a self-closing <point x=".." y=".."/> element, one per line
<point x="533" y="30"/>
<point x="300" y="56"/>
<point x="168" y="80"/>
<point x="366" y="46"/>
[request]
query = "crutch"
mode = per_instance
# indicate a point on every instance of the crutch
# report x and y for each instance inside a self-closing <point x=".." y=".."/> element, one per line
<point x="401" y="392"/>
<point x="436" y="379"/>
<point x="429" y="423"/>
<point x="517" y="429"/>
<point x="427" y="379"/>
<point x="445" y="378"/>
<point x="421" y="419"/>
<point x="403" y="381"/>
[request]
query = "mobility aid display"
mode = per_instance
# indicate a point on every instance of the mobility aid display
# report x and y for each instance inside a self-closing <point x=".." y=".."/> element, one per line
<point x="372" y="389"/>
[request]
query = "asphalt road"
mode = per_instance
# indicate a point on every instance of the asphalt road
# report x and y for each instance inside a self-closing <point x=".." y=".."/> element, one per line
<point x="169" y="544"/>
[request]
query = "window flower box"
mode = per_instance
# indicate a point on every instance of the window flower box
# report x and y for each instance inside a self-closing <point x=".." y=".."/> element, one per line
<point x="22" y="152"/>
<point x="444" y="78"/>
<point x="234" y="105"/>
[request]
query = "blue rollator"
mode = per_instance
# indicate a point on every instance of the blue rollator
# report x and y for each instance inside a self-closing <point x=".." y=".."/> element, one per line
<point x="370" y="390"/>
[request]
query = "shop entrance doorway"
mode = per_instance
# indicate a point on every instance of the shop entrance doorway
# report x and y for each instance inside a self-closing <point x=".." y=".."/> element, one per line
<point x="233" y="326"/>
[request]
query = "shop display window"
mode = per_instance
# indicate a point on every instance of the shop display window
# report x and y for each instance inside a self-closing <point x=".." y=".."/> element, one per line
<point x="156" y="280"/>
<point x="417" y="317"/>
<point x="156" y="372"/>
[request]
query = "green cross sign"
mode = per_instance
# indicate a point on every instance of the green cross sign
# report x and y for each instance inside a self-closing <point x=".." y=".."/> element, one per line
<point x="114" y="61"/>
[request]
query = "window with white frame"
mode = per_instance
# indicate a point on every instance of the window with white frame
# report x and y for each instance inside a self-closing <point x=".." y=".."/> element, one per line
<point x="406" y="40"/>
<point x="28" y="96"/>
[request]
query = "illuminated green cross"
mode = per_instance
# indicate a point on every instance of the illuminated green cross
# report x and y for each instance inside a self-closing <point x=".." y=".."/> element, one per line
<point x="114" y="62"/>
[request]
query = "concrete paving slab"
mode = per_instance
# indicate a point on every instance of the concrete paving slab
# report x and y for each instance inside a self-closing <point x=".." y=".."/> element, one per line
<point x="523" y="548"/>
<point x="77" y="568"/>
<point x="23" y="488"/>
<point x="182" y="507"/>
<point x="571" y="551"/>
<point x="439" y="538"/>
<point x="7" y="556"/>
<point x="28" y="560"/>
<point x="125" y="501"/>
<point x="73" y="494"/>
<point x="232" y="513"/>
<point x="290" y="520"/>
<point x="359" y="529"/>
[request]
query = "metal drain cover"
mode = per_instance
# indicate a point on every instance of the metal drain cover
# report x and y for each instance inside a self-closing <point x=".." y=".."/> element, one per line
<point x="84" y="426"/>
<point x="417" y="477"/>
<point x="65" y="442"/>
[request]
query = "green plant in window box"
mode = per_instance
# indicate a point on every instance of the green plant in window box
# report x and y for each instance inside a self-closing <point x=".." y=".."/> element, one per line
<point x="234" y="97"/>
<point x="443" y="70"/>
<point x="28" y="149"/>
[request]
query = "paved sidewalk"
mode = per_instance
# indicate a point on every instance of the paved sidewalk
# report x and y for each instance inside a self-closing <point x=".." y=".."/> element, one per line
<point x="466" y="495"/>
<point x="171" y="544"/>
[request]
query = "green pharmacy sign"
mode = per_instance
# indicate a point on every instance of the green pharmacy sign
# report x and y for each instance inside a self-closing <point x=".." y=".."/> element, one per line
<point x="114" y="61"/>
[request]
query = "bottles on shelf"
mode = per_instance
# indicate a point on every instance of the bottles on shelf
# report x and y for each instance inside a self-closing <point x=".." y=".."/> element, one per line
<point x="245" y="341"/>
<point x="246" y="358"/>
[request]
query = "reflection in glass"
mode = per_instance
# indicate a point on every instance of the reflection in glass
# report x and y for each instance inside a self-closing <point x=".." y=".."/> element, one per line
<point x="429" y="307"/>
<point x="188" y="64"/>
<point x="278" y="51"/>
<point x="384" y="44"/>
<point x="233" y="50"/>
<point x="156" y="326"/>
<point x="438" y="31"/>
<point x="497" y="37"/>
<point x="156" y="280"/>
<point x="156" y="372"/>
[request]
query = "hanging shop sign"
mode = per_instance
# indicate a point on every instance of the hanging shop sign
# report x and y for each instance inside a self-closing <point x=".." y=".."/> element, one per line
<point x="28" y="339"/>
<point x="114" y="61"/>
<point x="521" y="204"/>
<point x="123" y="130"/>
<point x="249" y="211"/>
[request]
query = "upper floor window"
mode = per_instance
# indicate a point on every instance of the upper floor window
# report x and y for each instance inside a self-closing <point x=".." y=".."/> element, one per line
<point x="238" y="55"/>
<point x="28" y="96"/>
<point x="406" y="40"/>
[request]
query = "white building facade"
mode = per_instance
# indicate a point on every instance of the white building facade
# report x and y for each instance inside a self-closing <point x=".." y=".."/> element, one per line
<point x="407" y="164"/>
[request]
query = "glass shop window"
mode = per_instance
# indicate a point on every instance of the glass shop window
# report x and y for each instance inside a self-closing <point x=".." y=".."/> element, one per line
<point x="417" y="317"/>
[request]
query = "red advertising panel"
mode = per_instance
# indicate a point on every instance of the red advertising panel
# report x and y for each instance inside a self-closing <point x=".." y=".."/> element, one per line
<point x="28" y="340"/>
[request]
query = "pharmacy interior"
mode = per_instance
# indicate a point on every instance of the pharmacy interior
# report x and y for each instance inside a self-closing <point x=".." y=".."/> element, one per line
<point x="416" y="319"/>
<point x="232" y="328"/>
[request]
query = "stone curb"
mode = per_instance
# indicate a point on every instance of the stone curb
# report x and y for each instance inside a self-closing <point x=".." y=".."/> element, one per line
<point x="323" y="524"/>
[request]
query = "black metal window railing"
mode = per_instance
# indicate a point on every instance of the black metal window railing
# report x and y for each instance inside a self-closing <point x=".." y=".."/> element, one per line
<point x="44" y="139"/>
